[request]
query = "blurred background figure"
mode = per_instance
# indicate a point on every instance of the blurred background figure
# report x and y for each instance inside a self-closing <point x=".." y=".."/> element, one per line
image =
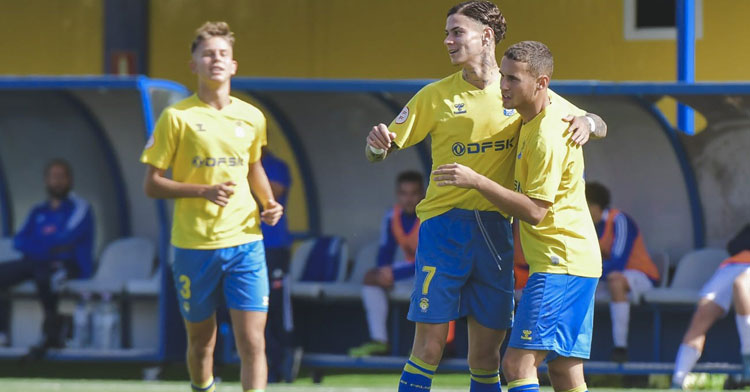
<point x="57" y="242"/>
<point x="399" y="231"/>
<point x="627" y="269"/>
<point x="731" y="282"/>
<point x="283" y="359"/>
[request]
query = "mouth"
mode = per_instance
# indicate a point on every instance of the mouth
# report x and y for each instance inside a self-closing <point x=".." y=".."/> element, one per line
<point x="452" y="52"/>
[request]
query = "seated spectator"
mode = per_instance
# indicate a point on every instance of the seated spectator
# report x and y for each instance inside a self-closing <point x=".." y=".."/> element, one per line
<point x="626" y="266"/>
<point x="400" y="229"/>
<point x="56" y="242"/>
<point x="731" y="279"/>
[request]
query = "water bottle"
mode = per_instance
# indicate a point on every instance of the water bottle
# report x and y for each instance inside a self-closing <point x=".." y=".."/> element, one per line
<point x="106" y="322"/>
<point x="82" y="323"/>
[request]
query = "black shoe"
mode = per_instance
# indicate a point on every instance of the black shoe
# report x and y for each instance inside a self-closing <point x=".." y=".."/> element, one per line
<point x="736" y="382"/>
<point x="619" y="355"/>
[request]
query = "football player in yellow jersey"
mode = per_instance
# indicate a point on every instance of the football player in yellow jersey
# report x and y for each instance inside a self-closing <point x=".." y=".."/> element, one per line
<point x="559" y="240"/>
<point x="464" y="260"/>
<point x="212" y="142"/>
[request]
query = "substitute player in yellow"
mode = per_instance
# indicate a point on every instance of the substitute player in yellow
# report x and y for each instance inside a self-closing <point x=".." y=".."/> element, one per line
<point x="555" y="315"/>
<point x="464" y="260"/>
<point x="212" y="142"/>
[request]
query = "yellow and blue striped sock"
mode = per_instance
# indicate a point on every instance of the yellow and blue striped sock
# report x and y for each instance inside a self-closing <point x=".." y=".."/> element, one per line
<point x="580" y="388"/>
<point x="417" y="376"/>
<point x="209" y="386"/>
<point x="524" y="385"/>
<point x="485" y="380"/>
<point x="256" y="390"/>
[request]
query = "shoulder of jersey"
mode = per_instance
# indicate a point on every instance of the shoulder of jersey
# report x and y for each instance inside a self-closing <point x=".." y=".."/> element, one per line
<point x="246" y="107"/>
<point x="553" y="123"/>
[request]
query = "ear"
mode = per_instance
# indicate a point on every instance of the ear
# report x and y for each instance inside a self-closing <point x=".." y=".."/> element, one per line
<point x="234" y="67"/>
<point x="542" y="82"/>
<point x="488" y="36"/>
<point x="193" y="65"/>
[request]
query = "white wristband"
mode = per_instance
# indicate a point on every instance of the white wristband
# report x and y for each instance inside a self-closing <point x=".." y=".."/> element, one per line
<point x="375" y="150"/>
<point x="592" y="124"/>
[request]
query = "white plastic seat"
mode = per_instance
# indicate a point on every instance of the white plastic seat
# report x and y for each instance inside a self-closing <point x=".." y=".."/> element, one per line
<point x="693" y="271"/>
<point x="7" y="251"/>
<point x="122" y="260"/>
<point x="301" y="258"/>
<point x="351" y="289"/>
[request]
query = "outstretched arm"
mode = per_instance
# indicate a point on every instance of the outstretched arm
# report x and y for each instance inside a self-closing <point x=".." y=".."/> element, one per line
<point x="514" y="203"/>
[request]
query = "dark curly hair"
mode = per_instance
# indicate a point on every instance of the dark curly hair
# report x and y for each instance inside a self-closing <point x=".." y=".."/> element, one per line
<point x="485" y="13"/>
<point x="597" y="194"/>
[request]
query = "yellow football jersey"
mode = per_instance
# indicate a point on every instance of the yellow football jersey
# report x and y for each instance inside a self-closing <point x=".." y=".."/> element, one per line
<point x="204" y="145"/>
<point x="550" y="168"/>
<point x="467" y="125"/>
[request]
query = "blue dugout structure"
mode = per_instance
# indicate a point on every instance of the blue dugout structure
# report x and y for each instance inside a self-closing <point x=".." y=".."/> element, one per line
<point x="685" y="191"/>
<point x="100" y="125"/>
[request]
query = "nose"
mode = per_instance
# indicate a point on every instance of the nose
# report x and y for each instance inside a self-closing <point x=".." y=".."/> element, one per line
<point x="448" y="40"/>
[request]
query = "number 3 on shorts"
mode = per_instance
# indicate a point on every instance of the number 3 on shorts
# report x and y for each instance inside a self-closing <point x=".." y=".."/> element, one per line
<point x="185" y="292"/>
<point x="430" y="273"/>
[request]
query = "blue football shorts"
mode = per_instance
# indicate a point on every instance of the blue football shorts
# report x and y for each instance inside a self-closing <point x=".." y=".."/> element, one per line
<point x="556" y="314"/>
<point x="464" y="267"/>
<point x="240" y="271"/>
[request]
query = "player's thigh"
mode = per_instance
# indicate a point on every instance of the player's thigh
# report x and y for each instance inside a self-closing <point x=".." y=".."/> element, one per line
<point x="483" y="342"/>
<point x="197" y="274"/>
<point x="246" y="277"/>
<point x="719" y="288"/>
<point x="249" y="329"/>
<point x="638" y="282"/>
<point x="201" y="334"/>
<point x="441" y="269"/>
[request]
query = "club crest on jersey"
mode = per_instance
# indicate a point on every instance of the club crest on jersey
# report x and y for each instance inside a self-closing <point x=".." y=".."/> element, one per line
<point x="403" y="115"/>
<point x="459" y="108"/>
<point x="424" y="304"/>
<point x="509" y="112"/>
<point x="238" y="130"/>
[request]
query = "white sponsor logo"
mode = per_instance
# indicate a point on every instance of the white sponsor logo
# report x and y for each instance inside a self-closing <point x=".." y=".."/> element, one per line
<point x="402" y="116"/>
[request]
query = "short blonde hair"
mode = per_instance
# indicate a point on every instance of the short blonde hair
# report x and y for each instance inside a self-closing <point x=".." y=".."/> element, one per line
<point x="210" y="30"/>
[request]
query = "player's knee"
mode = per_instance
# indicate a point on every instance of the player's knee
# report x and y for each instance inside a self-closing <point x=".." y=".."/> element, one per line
<point x="251" y="344"/>
<point x="486" y="358"/>
<point x="201" y="349"/>
<point x="511" y="367"/>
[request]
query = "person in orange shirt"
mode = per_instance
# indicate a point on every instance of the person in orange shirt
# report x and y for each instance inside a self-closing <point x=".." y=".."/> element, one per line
<point x="730" y="283"/>
<point x="627" y="269"/>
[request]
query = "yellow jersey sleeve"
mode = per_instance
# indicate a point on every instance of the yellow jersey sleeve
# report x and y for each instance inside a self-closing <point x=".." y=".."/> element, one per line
<point x="260" y="140"/>
<point x="162" y="145"/>
<point x="415" y="121"/>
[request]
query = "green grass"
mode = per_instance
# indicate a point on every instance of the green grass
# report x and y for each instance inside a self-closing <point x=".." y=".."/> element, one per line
<point x="331" y="383"/>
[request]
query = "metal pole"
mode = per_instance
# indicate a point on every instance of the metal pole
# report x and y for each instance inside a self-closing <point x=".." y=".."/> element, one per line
<point x="685" y="59"/>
